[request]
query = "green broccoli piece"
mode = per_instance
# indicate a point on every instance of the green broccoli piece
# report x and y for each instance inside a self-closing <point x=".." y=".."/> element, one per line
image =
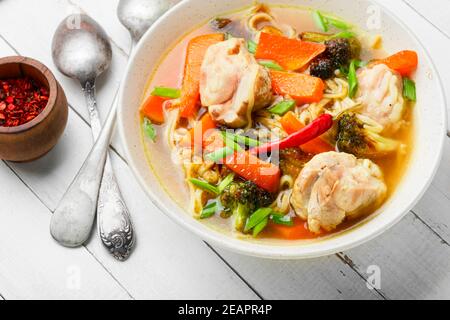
<point x="362" y="140"/>
<point x="241" y="199"/>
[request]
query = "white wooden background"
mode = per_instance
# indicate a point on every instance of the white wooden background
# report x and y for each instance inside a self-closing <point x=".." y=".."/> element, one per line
<point x="169" y="262"/>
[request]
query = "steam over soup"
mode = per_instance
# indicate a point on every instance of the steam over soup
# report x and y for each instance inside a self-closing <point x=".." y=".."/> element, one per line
<point x="280" y="122"/>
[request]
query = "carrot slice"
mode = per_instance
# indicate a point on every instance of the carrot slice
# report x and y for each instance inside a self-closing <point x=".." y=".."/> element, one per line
<point x="296" y="232"/>
<point x="291" y="124"/>
<point x="199" y="134"/>
<point x="291" y="54"/>
<point x="404" y="62"/>
<point x="153" y="109"/>
<point x="301" y="87"/>
<point x="264" y="174"/>
<point x="190" y="92"/>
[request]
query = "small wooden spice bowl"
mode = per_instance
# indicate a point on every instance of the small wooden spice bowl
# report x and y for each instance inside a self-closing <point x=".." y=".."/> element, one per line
<point x="36" y="138"/>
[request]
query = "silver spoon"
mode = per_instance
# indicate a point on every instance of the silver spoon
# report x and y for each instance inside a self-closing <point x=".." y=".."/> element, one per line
<point x="82" y="51"/>
<point x="139" y="15"/>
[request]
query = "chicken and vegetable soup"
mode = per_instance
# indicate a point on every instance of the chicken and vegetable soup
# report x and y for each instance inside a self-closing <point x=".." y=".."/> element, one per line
<point x="280" y="123"/>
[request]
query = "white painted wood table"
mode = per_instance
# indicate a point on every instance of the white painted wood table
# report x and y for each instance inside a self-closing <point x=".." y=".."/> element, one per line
<point x="169" y="262"/>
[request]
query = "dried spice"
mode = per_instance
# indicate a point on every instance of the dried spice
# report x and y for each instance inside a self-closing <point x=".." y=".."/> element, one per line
<point x="21" y="100"/>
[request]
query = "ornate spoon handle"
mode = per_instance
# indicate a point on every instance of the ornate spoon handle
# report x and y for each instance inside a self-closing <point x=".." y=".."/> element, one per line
<point x="113" y="218"/>
<point x="72" y="221"/>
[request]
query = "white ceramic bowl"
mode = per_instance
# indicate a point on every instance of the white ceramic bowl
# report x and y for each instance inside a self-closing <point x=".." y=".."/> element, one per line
<point x="430" y="115"/>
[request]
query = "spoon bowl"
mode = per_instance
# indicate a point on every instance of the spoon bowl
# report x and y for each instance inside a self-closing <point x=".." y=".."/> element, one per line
<point x="139" y="15"/>
<point x="81" y="50"/>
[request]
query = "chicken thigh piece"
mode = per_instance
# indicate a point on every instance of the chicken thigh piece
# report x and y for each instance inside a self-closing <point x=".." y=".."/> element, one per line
<point x="381" y="95"/>
<point x="334" y="186"/>
<point x="233" y="84"/>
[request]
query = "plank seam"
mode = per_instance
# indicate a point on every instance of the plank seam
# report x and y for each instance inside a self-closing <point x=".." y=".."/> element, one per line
<point x="436" y="233"/>
<point x="426" y="19"/>
<point x="348" y="261"/>
<point x="109" y="272"/>
<point x="235" y="271"/>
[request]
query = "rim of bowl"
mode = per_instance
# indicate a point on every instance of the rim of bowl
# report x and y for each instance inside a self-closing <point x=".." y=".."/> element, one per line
<point x="52" y="88"/>
<point x="282" y="252"/>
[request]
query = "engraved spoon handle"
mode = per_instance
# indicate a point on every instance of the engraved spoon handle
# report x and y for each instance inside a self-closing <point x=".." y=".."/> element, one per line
<point x="72" y="221"/>
<point x="113" y="218"/>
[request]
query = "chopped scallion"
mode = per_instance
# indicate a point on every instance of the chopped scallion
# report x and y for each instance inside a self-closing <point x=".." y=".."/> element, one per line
<point x="210" y="210"/>
<point x="283" y="220"/>
<point x="282" y="107"/>
<point x="230" y="142"/>
<point x="149" y="129"/>
<point x="344" y="34"/>
<point x="225" y="182"/>
<point x="337" y="23"/>
<point x="252" y="46"/>
<point x="249" y="142"/>
<point x="260" y="227"/>
<point x="352" y="79"/>
<point x="271" y="65"/>
<point x="220" y="154"/>
<point x="257" y="218"/>
<point x="205" y="186"/>
<point x="320" y="21"/>
<point x="165" y="92"/>
<point x="409" y="89"/>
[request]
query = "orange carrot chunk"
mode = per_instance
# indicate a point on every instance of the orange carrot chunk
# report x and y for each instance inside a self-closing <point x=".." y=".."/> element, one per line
<point x="291" y="54"/>
<point x="404" y="62"/>
<point x="153" y="109"/>
<point x="296" y="232"/>
<point x="199" y="134"/>
<point x="264" y="174"/>
<point x="291" y="124"/>
<point x="301" y="87"/>
<point x="190" y="92"/>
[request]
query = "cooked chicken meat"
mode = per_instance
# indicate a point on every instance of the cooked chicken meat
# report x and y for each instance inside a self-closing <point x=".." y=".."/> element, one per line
<point x="381" y="95"/>
<point x="334" y="186"/>
<point x="233" y="84"/>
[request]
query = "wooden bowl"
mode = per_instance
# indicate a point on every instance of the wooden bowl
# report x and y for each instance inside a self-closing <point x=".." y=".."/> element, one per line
<point x="34" y="139"/>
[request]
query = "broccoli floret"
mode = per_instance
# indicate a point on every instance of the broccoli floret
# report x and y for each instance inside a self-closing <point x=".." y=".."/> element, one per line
<point x="339" y="51"/>
<point x="360" y="139"/>
<point x="322" y="68"/>
<point x="241" y="199"/>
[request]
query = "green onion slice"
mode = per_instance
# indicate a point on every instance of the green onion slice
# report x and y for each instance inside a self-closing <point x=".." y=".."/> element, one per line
<point x="281" y="219"/>
<point x="282" y="107"/>
<point x="352" y="79"/>
<point x="252" y="46"/>
<point x="257" y="218"/>
<point x="149" y="129"/>
<point x="220" y="154"/>
<point x="344" y="34"/>
<point x="230" y="142"/>
<point x="337" y="23"/>
<point x="249" y="142"/>
<point x="260" y="227"/>
<point x="409" y="89"/>
<point x="320" y="21"/>
<point x="210" y="210"/>
<point x="225" y="182"/>
<point x="205" y="186"/>
<point x="165" y="92"/>
<point x="271" y="65"/>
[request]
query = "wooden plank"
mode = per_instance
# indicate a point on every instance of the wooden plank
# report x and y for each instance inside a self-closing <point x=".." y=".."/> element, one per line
<point x="32" y="264"/>
<point x="324" y="278"/>
<point x="414" y="262"/>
